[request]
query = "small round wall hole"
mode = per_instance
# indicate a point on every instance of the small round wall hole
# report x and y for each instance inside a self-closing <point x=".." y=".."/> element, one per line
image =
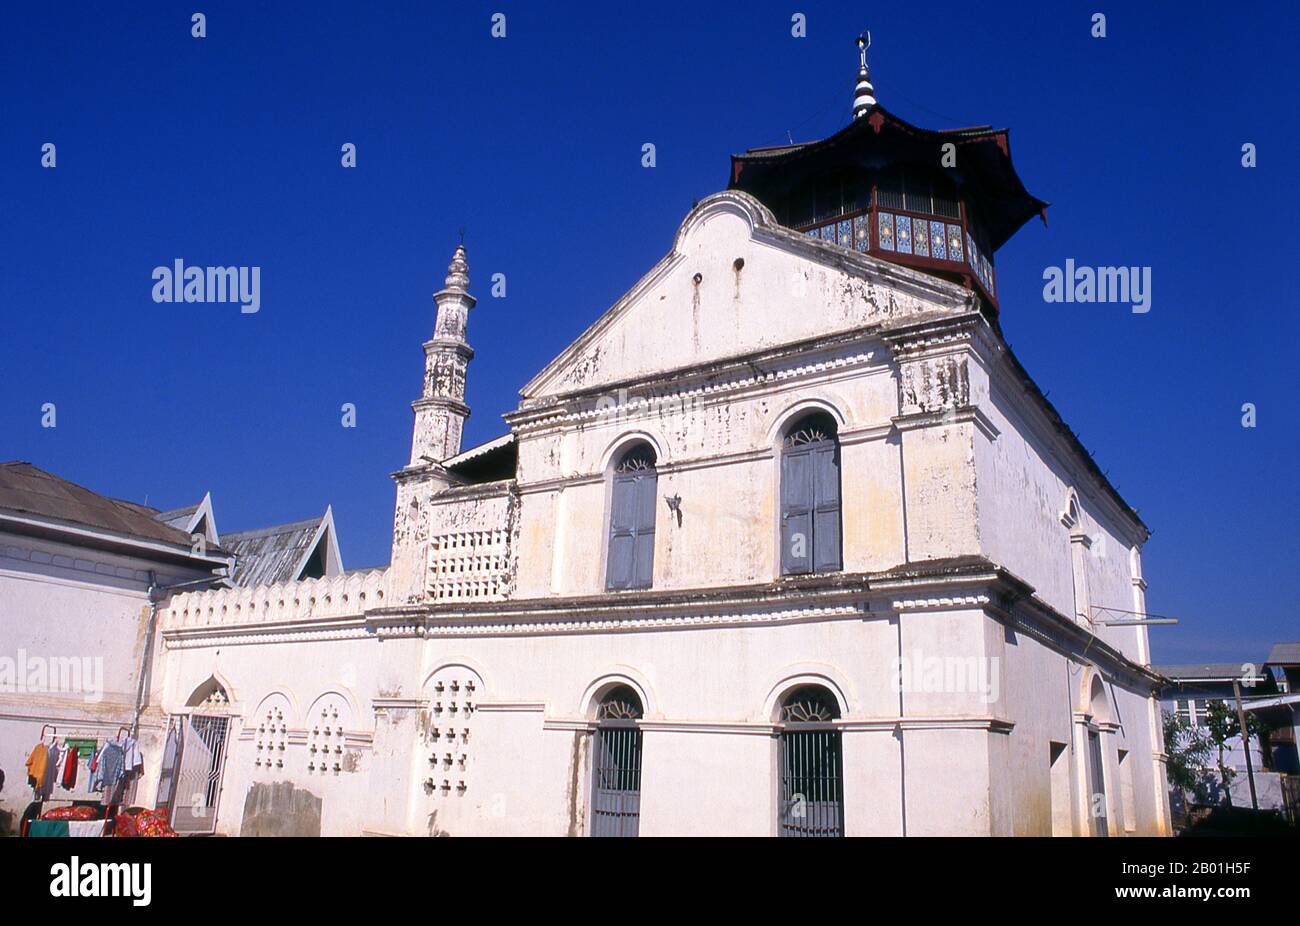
<point x="698" y="278"/>
<point x="738" y="264"/>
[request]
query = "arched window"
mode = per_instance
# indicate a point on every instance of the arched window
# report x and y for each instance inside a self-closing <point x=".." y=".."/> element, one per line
<point x="810" y="496"/>
<point x="1098" y="811"/>
<point x="1080" y="544"/>
<point x="811" y="763"/>
<point x="632" y="520"/>
<point x="616" y="765"/>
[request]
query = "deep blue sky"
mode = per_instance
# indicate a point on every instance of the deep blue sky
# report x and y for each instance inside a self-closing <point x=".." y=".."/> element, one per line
<point x="225" y="150"/>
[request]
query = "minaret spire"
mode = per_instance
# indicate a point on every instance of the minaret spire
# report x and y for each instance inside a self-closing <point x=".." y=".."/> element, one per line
<point x="440" y="412"/>
<point x="864" y="95"/>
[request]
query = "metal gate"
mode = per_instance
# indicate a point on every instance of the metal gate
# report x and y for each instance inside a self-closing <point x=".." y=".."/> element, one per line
<point x="200" y="762"/>
<point x="616" y="780"/>
<point x="167" y="771"/>
<point x="1097" y="799"/>
<point x="812" y="776"/>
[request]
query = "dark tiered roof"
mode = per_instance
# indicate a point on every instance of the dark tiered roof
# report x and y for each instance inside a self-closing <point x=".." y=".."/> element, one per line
<point x="984" y="174"/>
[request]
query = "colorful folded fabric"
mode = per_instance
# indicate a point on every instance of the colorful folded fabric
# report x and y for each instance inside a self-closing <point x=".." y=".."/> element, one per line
<point x="143" y="823"/>
<point x="80" y="812"/>
<point x="124" y="825"/>
<point x="47" y="828"/>
<point x="86" y="828"/>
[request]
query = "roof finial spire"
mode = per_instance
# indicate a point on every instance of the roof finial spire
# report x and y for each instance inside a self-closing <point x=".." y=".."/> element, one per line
<point x="458" y="271"/>
<point x="864" y="95"/>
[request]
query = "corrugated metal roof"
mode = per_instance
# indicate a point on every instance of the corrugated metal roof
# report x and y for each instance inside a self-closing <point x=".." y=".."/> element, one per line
<point x="27" y="489"/>
<point x="1284" y="654"/>
<point x="178" y="517"/>
<point x="270" y="554"/>
<point x="465" y="456"/>
<point x="1205" y="671"/>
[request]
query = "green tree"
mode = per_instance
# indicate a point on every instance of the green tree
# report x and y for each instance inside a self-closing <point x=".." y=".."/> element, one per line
<point x="1223" y="726"/>
<point x="1188" y="749"/>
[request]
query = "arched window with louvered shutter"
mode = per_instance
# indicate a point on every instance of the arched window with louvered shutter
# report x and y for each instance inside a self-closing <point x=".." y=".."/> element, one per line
<point x="630" y="563"/>
<point x="810" y="496"/>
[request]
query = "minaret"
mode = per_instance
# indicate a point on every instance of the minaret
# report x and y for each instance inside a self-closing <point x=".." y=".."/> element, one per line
<point x="440" y="412"/>
<point x="864" y="95"/>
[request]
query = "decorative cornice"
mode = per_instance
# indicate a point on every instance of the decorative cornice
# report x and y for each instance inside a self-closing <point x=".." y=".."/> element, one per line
<point x="990" y="724"/>
<point x="442" y="343"/>
<point x="769" y="729"/>
<point x="440" y="402"/>
<point x="718" y="380"/>
<point x="938" y="585"/>
<point x="382" y="704"/>
<point x="455" y="492"/>
<point x="510" y="707"/>
<point x="971" y="414"/>
<point x="936" y="337"/>
<point x="348" y="627"/>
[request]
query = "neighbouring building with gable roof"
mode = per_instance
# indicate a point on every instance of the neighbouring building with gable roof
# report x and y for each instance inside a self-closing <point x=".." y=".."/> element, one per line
<point x="787" y="542"/>
<point x="80" y="578"/>
<point x="81" y="575"/>
<point x="306" y="549"/>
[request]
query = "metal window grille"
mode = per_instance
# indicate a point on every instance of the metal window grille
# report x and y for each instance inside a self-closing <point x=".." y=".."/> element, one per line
<point x="812" y="776"/>
<point x="616" y="766"/>
<point x="812" y="765"/>
<point x="616" y="786"/>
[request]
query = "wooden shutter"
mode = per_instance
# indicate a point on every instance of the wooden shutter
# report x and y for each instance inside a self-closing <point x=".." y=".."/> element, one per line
<point x="810" y="508"/>
<point x="644" y="543"/>
<point x="632" y="531"/>
<point x="826" y="507"/>
<point x="796" y="510"/>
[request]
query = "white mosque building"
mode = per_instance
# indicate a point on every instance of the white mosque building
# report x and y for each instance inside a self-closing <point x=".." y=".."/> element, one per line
<point x="787" y="542"/>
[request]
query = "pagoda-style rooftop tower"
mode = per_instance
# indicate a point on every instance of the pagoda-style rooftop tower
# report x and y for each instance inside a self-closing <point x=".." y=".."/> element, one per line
<point x="888" y="188"/>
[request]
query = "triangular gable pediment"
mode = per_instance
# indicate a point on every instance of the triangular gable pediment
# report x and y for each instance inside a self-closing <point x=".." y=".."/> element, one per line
<point x="322" y="558"/>
<point x="737" y="283"/>
<point x="196" y="520"/>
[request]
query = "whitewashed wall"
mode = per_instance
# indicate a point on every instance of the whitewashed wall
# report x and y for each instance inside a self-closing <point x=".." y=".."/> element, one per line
<point x="68" y="607"/>
<point x="937" y="463"/>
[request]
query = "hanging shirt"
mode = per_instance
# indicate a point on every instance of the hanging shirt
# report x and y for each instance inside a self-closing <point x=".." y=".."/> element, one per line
<point x="70" y="769"/>
<point x="133" y="760"/>
<point x="36" y="763"/>
<point x="112" y="765"/>
<point x="53" y="766"/>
